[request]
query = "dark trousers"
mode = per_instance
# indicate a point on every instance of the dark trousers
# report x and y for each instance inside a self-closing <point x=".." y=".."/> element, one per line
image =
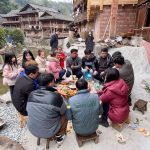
<point x="63" y="126"/>
<point x="78" y="73"/>
<point x="61" y="73"/>
<point x="105" y="111"/>
<point x="11" y="90"/>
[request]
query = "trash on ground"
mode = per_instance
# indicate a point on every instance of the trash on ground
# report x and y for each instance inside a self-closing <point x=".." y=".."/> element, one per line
<point x="120" y="138"/>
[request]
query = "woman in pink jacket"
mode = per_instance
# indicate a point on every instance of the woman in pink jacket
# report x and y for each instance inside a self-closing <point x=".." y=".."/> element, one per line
<point x="114" y="97"/>
<point x="53" y="66"/>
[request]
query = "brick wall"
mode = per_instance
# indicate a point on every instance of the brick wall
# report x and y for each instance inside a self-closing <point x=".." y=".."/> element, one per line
<point x="125" y="20"/>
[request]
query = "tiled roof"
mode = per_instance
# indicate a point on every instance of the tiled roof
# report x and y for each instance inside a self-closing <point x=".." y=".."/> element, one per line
<point x="57" y="16"/>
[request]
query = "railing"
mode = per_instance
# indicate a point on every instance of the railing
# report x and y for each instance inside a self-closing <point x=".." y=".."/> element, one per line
<point x="144" y="32"/>
<point x="11" y="22"/>
<point x="80" y="17"/>
<point x="63" y="26"/>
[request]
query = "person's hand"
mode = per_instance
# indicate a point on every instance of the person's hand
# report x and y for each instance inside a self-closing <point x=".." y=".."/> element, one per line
<point x="87" y="68"/>
<point x="102" y="73"/>
<point x="72" y="66"/>
<point x="95" y="73"/>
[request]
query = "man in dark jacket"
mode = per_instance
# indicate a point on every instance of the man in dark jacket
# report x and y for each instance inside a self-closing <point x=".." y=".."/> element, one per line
<point x="126" y="72"/>
<point x="46" y="110"/>
<point x="105" y="61"/>
<point x="54" y="41"/>
<point x="89" y="63"/>
<point x="23" y="87"/>
<point x="74" y="64"/>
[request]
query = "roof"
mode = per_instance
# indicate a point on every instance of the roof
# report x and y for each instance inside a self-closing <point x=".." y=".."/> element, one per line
<point x="38" y="7"/>
<point x="50" y="15"/>
<point x="12" y="13"/>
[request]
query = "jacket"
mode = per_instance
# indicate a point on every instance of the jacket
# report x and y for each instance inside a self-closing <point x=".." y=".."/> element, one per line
<point x="89" y="43"/>
<point x="127" y="74"/>
<point x="104" y="63"/>
<point x="45" y="108"/>
<point x="53" y="66"/>
<point x="23" y="87"/>
<point x="54" y="41"/>
<point x="10" y="75"/>
<point x="91" y="62"/>
<point x="41" y="64"/>
<point x="62" y="59"/>
<point x="84" y="112"/>
<point x="77" y="62"/>
<point x="116" y="94"/>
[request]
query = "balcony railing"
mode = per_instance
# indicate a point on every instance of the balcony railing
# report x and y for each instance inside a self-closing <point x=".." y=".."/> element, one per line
<point x="11" y="22"/>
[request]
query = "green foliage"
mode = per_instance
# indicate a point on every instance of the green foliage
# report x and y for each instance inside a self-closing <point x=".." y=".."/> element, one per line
<point x="6" y="6"/>
<point x="17" y="36"/>
<point x="2" y="38"/>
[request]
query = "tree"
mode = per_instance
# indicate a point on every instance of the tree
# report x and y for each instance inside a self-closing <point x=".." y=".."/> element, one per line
<point x="4" y="6"/>
<point x="17" y="36"/>
<point x="2" y="38"/>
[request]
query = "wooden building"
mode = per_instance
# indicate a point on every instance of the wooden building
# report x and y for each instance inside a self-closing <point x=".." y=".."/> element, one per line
<point x="105" y="17"/>
<point x="143" y="19"/>
<point x="38" y="21"/>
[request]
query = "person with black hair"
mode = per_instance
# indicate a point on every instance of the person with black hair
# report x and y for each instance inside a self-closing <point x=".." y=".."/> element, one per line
<point x="54" y="41"/>
<point x="125" y="69"/>
<point x="53" y="66"/>
<point x="116" y="53"/>
<point x="27" y="56"/>
<point x="46" y="110"/>
<point x="74" y="64"/>
<point x="89" y="63"/>
<point x="89" y="42"/>
<point x="10" y="71"/>
<point x="23" y="87"/>
<point x="114" y="97"/>
<point x="41" y="60"/>
<point x="84" y="109"/>
<point x="104" y="61"/>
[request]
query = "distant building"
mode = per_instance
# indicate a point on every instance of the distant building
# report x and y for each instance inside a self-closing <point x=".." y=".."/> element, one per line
<point x="105" y="17"/>
<point x="38" y="21"/>
<point x="1" y="19"/>
<point x="143" y="19"/>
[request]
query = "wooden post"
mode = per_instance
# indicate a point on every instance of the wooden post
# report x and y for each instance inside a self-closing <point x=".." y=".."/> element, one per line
<point x="114" y="12"/>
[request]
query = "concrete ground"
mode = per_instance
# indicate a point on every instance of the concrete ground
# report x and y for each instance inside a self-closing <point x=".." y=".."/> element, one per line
<point x="135" y="140"/>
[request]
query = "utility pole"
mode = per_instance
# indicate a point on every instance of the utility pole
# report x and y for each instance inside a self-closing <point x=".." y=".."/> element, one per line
<point x="113" y="20"/>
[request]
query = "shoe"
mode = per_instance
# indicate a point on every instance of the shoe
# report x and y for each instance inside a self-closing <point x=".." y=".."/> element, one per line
<point x="60" y="139"/>
<point x="103" y="123"/>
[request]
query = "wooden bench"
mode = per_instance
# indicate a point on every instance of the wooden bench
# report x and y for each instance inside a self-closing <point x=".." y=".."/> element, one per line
<point x="47" y="141"/>
<point x="80" y="139"/>
<point x="119" y="126"/>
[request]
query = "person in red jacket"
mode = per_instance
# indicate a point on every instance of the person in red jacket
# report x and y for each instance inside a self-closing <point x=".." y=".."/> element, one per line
<point x="114" y="97"/>
<point x="62" y="57"/>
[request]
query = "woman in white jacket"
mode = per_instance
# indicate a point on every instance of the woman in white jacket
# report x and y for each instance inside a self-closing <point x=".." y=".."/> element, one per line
<point x="10" y="71"/>
<point x="41" y="61"/>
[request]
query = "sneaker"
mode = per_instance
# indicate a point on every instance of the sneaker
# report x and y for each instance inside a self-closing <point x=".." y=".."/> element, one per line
<point x="60" y="139"/>
<point x="104" y="123"/>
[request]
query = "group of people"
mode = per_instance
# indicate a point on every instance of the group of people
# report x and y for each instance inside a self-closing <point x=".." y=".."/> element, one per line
<point x="33" y="91"/>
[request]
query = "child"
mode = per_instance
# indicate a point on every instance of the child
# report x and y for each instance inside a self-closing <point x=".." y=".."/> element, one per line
<point x="62" y="57"/>
<point x="54" y="67"/>
<point x="27" y="56"/>
<point x="10" y="71"/>
<point x="41" y="61"/>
